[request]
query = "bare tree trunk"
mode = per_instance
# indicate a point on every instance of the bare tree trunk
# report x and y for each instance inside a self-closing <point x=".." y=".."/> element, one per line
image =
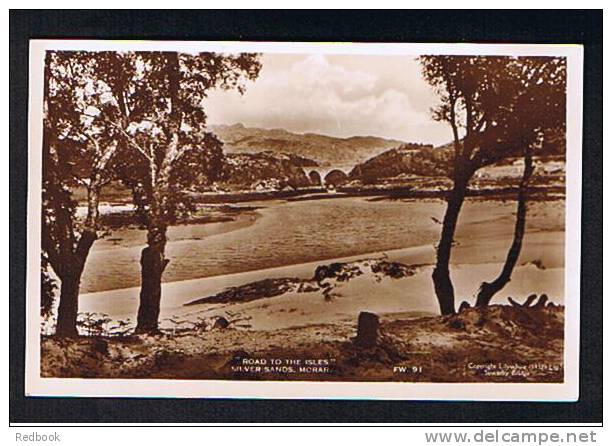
<point x="72" y="271"/>
<point x="153" y="261"/>
<point x="70" y="265"/>
<point x="489" y="289"/>
<point x="152" y="264"/>
<point x="69" y="262"/>
<point x="68" y="305"/>
<point x="441" y="274"/>
<point x="139" y="200"/>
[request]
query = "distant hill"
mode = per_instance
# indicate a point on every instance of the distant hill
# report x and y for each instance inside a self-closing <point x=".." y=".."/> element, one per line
<point x="327" y="151"/>
<point x="265" y="171"/>
<point x="419" y="160"/>
<point x="408" y="159"/>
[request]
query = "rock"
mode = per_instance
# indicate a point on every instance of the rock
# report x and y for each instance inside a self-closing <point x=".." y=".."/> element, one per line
<point x="394" y="270"/>
<point x="323" y="272"/>
<point x="220" y="323"/>
<point x="339" y="271"/>
<point x="251" y="291"/>
<point x="307" y="288"/>
<point x="367" y="329"/>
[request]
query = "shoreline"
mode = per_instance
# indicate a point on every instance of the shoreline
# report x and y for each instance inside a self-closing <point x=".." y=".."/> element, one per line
<point x="538" y="193"/>
<point x="535" y="272"/>
<point x="136" y="237"/>
<point x="421" y="255"/>
<point x="194" y="249"/>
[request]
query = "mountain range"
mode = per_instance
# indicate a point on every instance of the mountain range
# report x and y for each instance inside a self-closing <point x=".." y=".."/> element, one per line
<point x="273" y="159"/>
<point x="327" y="151"/>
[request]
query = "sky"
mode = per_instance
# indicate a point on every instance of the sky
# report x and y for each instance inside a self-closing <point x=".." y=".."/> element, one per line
<point x="337" y="95"/>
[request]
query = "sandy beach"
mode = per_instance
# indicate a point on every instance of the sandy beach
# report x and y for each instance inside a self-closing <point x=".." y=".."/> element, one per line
<point x="539" y="271"/>
<point x="226" y="326"/>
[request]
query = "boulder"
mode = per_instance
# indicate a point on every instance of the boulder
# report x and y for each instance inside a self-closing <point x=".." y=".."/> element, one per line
<point x="220" y="323"/>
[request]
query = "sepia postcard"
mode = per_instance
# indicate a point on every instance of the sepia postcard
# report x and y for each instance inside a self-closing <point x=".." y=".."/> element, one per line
<point x="304" y="220"/>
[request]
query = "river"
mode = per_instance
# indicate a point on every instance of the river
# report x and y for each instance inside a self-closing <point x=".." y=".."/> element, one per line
<point x="291" y="232"/>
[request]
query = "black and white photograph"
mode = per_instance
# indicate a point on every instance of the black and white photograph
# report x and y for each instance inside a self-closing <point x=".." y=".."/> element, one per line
<point x="231" y="218"/>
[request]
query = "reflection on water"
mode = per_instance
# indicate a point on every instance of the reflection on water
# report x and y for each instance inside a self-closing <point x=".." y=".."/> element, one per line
<point x="296" y="232"/>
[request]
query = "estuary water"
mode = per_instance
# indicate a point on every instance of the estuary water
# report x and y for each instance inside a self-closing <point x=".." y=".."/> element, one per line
<point x="283" y="233"/>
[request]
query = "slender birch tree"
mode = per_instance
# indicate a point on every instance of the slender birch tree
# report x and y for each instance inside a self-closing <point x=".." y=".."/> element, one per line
<point x="157" y="102"/>
<point x="496" y="107"/>
<point x="76" y="155"/>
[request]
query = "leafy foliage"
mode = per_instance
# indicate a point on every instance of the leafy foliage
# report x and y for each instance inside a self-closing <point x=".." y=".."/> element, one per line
<point x="76" y="152"/>
<point x="496" y="105"/>
<point x="156" y="101"/>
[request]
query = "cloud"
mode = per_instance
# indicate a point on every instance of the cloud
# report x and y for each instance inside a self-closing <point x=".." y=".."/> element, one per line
<point x="336" y="95"/>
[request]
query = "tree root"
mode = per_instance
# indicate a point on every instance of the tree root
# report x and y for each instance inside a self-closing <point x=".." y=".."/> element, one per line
<point x="541" y="303"/>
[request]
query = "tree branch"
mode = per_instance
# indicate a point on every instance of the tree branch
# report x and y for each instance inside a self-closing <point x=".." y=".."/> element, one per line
<point x="130" y="140"/>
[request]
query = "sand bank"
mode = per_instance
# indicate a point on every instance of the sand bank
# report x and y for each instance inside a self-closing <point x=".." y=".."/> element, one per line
<point x="540" y="270"/>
